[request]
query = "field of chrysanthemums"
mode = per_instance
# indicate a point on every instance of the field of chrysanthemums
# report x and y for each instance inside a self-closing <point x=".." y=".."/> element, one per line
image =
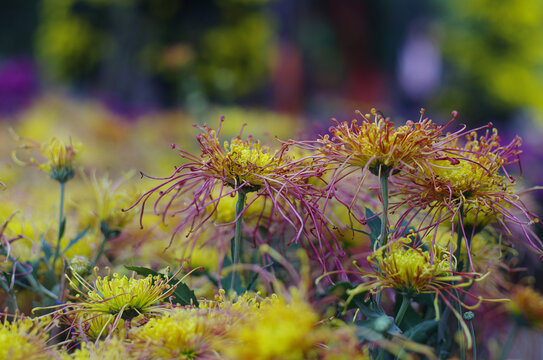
<point x="153" y="239"/>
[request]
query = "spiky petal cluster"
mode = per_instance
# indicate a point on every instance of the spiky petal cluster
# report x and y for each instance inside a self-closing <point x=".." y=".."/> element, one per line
<point x="409" y="269"/>
<point x="376" y="143"/>
<point x="102" y="307"/>
<point x="59" y="157"/>
<point x="246" y="166"/>
<point x="24" y="338"/>
<point x="471" y="178"/>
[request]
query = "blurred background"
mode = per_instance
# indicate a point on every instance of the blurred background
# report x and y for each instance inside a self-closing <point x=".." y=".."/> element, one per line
<point x="294" y="62"/>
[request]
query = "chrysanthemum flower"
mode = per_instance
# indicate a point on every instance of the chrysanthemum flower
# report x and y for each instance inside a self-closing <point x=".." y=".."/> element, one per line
<point x="102" y="307"/>
<point x="24" y="338"/>
<point x="59" y="158"/>
<point x="526" y="306"/>
<point x="245" y="166"/>
<point x="182" y="333"/>
<point x="280" y="330"/>
<point x="377" y="144"/>
<point x="471" y="182"/>
<point x="411" y="270"/>
<point x="110" y="349"/>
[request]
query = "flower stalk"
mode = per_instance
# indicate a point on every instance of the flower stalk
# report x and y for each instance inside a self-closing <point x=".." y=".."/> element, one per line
<point x="240" y="205"/>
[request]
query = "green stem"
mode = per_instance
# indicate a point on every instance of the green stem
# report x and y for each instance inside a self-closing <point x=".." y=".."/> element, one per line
<point x="403" y="309"/>
<point x="100" y="251"/>
<point x="509" y="342"/>
<point x="11" y="299"/>
<point x="473" y="338"/>
<point x="237" y="235"/>
<point x="60" y="221"/>
<point x="459" y="238"/>
<point x="383" y="180"/>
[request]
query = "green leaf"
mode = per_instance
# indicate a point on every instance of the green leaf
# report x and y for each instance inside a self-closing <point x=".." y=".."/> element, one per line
<point x="183" y="294"/>
<point x="75" y="240"/>
<point x="62" y="228"/>
<point x="422" y="331"/>
<point x="374" y="224"/>
<point x="143" y="271"/>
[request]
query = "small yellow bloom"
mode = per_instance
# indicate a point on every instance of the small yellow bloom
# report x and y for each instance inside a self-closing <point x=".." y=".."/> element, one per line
<point x="24" y="339"/>
<point x="123" y="297"/>
<point x="59" y="158"/>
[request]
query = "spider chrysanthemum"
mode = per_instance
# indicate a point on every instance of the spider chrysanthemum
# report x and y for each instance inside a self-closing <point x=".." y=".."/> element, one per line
<point x="287" y="182"/>
<point x="471" y="183"/>
<point x="102" y="307"/>
<point x="375" y="143"/>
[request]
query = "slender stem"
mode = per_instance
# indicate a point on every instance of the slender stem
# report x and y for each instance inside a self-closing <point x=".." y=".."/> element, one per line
<point x="60" y="220"/>
<point x="473" y="338"/>
<point x="382" y="240"/>
<point x="100" y="251"/>
<point x="459" y="238"/>
<point x="403" y="309"/>
<point x="237" y="235"/>
<point x="11" y="299"/>
<point x="383" y="180"/>
<point x="509" y="342"/>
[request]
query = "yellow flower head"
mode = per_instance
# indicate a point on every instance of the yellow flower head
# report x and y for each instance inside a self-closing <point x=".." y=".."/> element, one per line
<point x="240" y="161"/>
<point x="59" y="158"/>
<point x="182" y="333"/>
<point x="24" y="338"/>
<point x="526" y="306"/>
<point x="377" y="141"/>
<point x="109" y="199"/>
<point x="279" y="330"/>
<point x="111" y="349"/>
<point x="472" y="175"/>
<point x="410" y="269"/>
<point x="123" y="297"/>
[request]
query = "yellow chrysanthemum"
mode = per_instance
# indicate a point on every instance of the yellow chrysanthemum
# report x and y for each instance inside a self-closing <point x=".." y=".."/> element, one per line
<point x="24" y="339"/>
<point x="526" y="306"/>
<point x="279" y="330"/>
<point x="111" y="349"/>
<point x="411" y="269"/>
<point x="59" y="158"/>
<point x="379" y="142"/>
<point x="123" y="297"/>
<point x="183" y="333"/>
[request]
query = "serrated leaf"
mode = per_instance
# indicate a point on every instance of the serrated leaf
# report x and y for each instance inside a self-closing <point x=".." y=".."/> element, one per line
<point x="183" y="294"/>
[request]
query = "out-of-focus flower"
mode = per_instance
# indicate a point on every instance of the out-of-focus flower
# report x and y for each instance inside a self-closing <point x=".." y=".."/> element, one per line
<point x="183" y="333"/>
<point x="526" y="306"/>
<point x="245" y="166"/>
<point x="280" y="330"/>
<point x="59" y="158"/>
<point x="109" y="200"/>
<point x="24" y="338"/>
<point x="110" y="349"/>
